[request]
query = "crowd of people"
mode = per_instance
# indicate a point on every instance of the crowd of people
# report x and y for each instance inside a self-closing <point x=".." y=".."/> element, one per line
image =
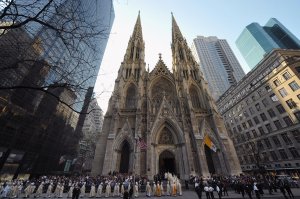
<point x="128" y="186"/>
<point x="115" y="185"/>
<point x="246" y="186"/>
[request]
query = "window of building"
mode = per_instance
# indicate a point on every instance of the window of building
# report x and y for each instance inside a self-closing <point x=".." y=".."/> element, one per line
<point x="261" y="130"/>
<point x="243" y="138"/>
<point x="269" y="128"/>
<point x="277" y="124"/>
<point x="246" y="114"/>
<point x="286" y="139"/>
<point x="294" y="86"/>
<point x="244" y="125"/>
<point x="246" y="159"/>
<point x="265" y="156"/>
<point x="294" y="152"/>
<point x="256" y="120"/>
<point x="274" y="156"/>
<point x="248" y="135"/>
<point x="298" y="96"/>
<point x="296" y="135"/>
<point x="268" y="88"/>
<point x="271" y="113"/>
<point x="234" y="130"/>
<point x="254" y="133"/>
<point x="257" y="106"/>
<point x="286" y="75"/>
<point x="283" y="154"/>
<point x="283" y="92"/>
<point x="239" y="128"/>
<point x="260" y="92"/>
<point x="291" y="103"/>
<point x="250" y="123"/>
<point x="297" y="115"/>
<point x="298" y="69"/>
<point x="276" y="141"/>
<point x="288" y="121"/>
<point x="263" y="117"/>
<point x="260" y="145"/>
<point x="273" y="97"/>
<point x="265" y="102"/>
<point x="276" y="82"/>
<point x="280" y="108"/>
<point x="251" y="110"/>
<point x="268" y="144"/>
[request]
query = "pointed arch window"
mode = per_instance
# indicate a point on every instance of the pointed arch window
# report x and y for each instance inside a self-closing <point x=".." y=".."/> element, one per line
<point x="131" y="52"/>
<point x="131" y="97"/>
<point x="137" y="54"/>
<point x="166" y="137"/>
<point x="181" y="54"/>
<point x="195" y="97"/>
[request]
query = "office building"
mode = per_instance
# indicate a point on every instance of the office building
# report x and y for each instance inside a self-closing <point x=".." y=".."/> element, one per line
<point x="218" y="64"/>
<point x="47" y="78"/>
<point x="256" y="41"/>
<point x="262" y="114"/>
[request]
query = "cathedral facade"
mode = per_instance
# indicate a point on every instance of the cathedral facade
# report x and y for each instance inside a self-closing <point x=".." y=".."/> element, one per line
<point x="171" y="111"/>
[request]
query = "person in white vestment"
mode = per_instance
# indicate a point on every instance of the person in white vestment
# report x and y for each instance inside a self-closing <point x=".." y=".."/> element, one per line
<point x="136" y="190"/>
<point x="179" y="188"/>
<point x="93" y="191"/>
<point x="49" y="190"/>
<point x="82" y="190"/>
<point x="148" y="190"/>
<point x="70" y="192"/>
<point x="107" y="190"/>
<point x="99" y="190"/>
<point x="39" y="191"/>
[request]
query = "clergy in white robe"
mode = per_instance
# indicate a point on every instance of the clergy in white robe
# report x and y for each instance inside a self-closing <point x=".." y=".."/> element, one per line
<point x="148" y="190"/>
<point x="99" y="190"/>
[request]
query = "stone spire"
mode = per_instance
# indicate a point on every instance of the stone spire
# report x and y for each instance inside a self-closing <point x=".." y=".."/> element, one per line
<point x="176" y="33"/>
<point x="133" y="65"/>
<point x="137" y="32"/>
<point x="136" y="46"/>
<point x="183" y="60"/>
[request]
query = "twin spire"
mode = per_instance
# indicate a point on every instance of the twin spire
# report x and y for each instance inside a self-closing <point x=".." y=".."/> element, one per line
<point x="137" y="32"/>
<point x="181" y="53"/>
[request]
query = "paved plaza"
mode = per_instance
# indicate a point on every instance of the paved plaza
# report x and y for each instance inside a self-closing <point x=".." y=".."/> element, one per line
<point x="190" y="194"/>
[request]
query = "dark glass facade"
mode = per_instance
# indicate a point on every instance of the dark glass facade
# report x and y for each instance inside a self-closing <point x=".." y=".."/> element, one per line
<point x="256" y="41"/>
<point x="37" y="130"/>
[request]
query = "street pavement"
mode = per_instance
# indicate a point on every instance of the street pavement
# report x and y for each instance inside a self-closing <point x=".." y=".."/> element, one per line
<point x="190" y="194"/>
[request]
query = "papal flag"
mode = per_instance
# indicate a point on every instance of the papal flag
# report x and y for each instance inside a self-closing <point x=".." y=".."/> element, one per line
<point x="209" y="143"/>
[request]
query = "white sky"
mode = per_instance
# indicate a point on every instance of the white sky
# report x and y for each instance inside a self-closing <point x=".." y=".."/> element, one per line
<point x="224" y="19"/>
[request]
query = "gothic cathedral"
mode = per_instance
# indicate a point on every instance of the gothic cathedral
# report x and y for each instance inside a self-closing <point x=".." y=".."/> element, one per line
<point x="171" y="111"/>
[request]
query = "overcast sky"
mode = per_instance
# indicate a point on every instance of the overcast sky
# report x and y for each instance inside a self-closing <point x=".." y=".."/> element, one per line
<point x="222" y="18"/>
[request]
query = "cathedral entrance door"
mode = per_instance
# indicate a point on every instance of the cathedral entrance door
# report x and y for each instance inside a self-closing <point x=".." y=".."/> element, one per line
<point x="124" y="163"/>
<point x="209" y="159"/>
<point x="167" y="162"/>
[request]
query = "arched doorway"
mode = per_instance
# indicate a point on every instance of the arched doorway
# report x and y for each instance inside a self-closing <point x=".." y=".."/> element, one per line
<point x="167" y="162"/>
<point x="209" y="159"/>
<point x="125" y="153"/>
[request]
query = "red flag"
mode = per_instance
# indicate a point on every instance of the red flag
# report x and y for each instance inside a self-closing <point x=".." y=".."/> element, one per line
<point x="142" y="144"/>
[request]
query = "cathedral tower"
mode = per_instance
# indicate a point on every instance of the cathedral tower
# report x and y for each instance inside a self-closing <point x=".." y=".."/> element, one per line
<point x="171" y="111"/>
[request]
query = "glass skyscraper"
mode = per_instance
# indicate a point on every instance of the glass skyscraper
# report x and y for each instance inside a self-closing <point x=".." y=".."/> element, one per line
<point x="41" y="63"/>
<point x="256" y="41"/>
<point x="218" y="64"/>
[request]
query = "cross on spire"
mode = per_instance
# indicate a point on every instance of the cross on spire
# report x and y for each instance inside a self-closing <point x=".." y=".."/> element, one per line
<point x="159" y="55"/>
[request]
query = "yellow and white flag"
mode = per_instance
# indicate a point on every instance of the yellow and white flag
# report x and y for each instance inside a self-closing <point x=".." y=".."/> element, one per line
<point x="209" y="143"/>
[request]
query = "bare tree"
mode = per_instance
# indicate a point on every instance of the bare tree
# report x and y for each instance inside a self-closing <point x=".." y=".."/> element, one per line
<point x="48" y="44"/>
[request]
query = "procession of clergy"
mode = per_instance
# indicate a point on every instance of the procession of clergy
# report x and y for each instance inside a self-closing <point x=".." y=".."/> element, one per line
<point x="105" y="187"/>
